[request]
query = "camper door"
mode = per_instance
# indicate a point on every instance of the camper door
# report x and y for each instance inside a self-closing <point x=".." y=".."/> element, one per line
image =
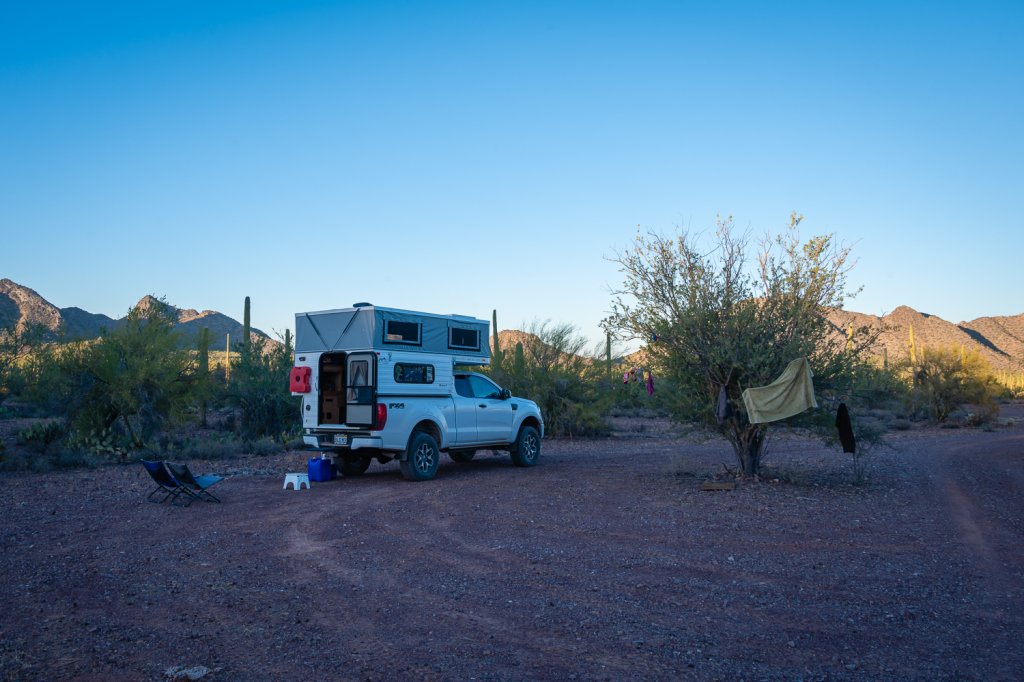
<point x="360" y="389"/>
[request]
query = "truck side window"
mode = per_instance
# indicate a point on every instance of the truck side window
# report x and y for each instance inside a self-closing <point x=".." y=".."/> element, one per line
<point x="483" y="388"/>
<point x="462" y="387"/>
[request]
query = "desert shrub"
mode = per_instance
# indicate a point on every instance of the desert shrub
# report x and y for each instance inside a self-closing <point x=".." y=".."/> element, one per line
<point x="551" y="366"/>
<point x="944" y="379"/>
<point x="131" y="382"/>
<point x="259" y="389"/>
<point x="42" y="435"/>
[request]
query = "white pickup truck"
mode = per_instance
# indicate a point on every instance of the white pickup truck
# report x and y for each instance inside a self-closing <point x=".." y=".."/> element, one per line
<point x="381" y="383"/>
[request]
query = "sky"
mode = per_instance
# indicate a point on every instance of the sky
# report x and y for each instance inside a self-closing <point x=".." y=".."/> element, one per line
<point x="463" y="157"/>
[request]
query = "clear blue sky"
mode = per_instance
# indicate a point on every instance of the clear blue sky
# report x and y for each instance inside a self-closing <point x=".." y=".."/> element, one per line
<point x="459" y="157"/>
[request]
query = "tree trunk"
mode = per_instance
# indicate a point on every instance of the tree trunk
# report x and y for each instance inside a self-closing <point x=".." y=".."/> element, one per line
<point x="748" y="444"/>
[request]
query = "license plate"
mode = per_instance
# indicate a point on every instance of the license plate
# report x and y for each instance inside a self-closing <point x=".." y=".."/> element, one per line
<point x="340" y="439"/>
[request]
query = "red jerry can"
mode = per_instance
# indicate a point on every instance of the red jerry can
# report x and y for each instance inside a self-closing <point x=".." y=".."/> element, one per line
<point x="298" y="379"/>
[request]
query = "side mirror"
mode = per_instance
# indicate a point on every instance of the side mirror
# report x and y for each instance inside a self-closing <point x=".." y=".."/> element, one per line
<point x="505" y="394"/>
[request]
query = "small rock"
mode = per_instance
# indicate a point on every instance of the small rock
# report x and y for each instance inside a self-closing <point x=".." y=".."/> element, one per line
<point x="180" y="672"/>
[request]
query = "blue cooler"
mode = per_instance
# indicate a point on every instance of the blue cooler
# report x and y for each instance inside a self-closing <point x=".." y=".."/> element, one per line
<point x="320" y="469"/>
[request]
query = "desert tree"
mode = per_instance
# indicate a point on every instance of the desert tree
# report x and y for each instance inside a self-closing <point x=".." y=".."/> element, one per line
<point x="713" y="316"/>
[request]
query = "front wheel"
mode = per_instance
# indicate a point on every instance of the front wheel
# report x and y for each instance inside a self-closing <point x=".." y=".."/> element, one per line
<point x="422" y="458"/>
<point x="526" y="449"/>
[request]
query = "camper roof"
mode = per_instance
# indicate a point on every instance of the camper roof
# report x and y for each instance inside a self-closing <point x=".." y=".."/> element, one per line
<point x="366" y="326"/>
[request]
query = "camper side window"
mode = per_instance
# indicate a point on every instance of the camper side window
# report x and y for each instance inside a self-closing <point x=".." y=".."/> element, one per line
<point x="414" y="374"/>
<point x="463" y="339"/>
<point x="402" y="332"/>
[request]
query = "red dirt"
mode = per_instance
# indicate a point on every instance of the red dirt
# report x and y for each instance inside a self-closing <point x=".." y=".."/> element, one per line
<point x="603" y="562"/>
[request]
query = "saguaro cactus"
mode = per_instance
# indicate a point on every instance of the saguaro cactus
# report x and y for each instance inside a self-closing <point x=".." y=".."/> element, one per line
<point x="608" y="354"/>
<point x="913" y="348"/>
<point x="203" y="370"/>
<point x="227" y="357"/>
<point x="288" y="343"/>
<point x="246" y="327"/>
<point x="519" y="360"/>
<point x="497" y="344"/>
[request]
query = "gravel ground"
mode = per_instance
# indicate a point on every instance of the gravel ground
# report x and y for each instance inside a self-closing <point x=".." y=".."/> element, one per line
<point x="606" y="561"/>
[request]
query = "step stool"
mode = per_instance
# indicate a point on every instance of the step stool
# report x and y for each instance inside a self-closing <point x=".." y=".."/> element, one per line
<point x="297" y="481"/>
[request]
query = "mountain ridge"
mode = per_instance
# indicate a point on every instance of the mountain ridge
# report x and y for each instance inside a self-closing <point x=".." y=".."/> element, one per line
<point x="22" y="306"/>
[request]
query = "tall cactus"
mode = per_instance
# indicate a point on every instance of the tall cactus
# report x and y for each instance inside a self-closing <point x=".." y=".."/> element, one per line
<point x="203" y="371"/>
<point x="519" y="360"/>
<point x="246" y="327"/>
<point x="608" y="354"/>
<point x="288" y="343"/>
<point x="849" y="337"/>
<point x="913" y="348"/>
<point x="885" y="358"/>
<point x="497" y="344"/>
<point x="227" y="357"/>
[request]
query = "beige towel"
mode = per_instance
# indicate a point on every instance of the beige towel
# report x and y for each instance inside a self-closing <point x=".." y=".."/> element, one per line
<point x="790" y="394"/>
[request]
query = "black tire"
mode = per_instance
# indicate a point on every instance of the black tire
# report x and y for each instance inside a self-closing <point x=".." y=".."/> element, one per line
<point x="526" y="450"/>
<point x="422" y="458"/>
<point x="462" y="456"/>
<point x="354" y="465"/>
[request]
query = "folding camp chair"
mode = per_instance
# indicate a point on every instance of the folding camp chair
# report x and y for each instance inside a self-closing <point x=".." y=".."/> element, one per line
<point x="196" y="487"/>
<point x="164" y="481"/>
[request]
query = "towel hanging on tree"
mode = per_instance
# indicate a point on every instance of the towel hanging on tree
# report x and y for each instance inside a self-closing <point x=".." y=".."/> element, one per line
<point x="789" y="395"/>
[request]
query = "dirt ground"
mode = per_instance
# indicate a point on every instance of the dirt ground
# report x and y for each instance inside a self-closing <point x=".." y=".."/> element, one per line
<point x="605" y="561"/>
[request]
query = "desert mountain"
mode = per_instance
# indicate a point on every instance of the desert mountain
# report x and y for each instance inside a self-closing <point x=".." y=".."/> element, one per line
<point x="20" y="305"/>
<point x="1000" y="340"/>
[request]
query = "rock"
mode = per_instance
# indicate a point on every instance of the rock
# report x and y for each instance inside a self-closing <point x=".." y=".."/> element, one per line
<point x="180" y="672"/>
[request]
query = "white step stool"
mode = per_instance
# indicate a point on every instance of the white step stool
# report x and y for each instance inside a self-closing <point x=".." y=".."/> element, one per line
<point x="297" y="481"/>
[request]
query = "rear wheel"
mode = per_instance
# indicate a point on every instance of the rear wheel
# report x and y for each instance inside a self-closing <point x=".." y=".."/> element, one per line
<point x="422" y="458"/>
<point x="526" y="449"/>
<point x="354" y="465"/>
<point x="461" y="456"/>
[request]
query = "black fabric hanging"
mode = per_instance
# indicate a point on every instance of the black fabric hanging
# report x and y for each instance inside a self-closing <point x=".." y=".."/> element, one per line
<point x="723" y="410"/>
<point x="845" y="429"/>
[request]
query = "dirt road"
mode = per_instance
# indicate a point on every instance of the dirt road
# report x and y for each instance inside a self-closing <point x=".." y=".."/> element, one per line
<point x="604" y="562"/>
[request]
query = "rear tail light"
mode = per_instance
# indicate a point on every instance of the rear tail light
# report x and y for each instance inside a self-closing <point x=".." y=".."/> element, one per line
<point x="382" y="416"/>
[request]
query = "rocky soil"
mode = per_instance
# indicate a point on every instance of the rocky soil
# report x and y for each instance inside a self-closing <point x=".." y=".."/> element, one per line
<point x="606" y="561"/>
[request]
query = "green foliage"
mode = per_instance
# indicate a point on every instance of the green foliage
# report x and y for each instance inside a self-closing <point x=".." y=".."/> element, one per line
<point x="552" y="368"/>
<point x="134" y="379"/>
<point x="945" y="378"/>
<point x="259" y="388"/>
<point x="710" y="320"/>
<point x="17" y="344"/>
<point x="42" y="434"/>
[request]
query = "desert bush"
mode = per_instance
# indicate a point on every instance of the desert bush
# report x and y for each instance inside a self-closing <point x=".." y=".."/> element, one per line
<point x="132" y="381"/>
<point x="259" y="389"/>
<point x="552" y="367"/>
<point x="42" y="435"/>
<point x="943" y="379"/>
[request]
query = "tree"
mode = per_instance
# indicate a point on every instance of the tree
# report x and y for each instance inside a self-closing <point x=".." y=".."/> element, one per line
<point x="710" y="319"/>
<point x="134" y="378"/>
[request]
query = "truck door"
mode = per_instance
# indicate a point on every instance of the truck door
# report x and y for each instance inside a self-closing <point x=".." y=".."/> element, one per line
<point x="360" y="389"/>
<point x="493" y="415"/>
<point x="465" y="412"/>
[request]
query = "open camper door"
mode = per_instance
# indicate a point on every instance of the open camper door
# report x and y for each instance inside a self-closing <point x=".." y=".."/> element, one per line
<point x="360" y="389"/>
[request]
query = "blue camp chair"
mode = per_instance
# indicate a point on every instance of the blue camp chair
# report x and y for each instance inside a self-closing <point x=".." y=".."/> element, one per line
<point x="164" y="482"/>
<point x="196" y="487"/>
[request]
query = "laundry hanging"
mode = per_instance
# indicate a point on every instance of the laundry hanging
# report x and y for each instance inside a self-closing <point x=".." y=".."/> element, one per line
<point x="845" y="429"/>
<point x="789" y="395"/>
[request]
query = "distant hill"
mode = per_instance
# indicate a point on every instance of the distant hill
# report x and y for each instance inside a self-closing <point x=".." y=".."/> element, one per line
<point x="20" y="305"/>
<point x="1000" y="340"/>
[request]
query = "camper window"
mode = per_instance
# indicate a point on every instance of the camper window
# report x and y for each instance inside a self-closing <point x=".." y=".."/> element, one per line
<point x="414" y="374"/>
<point x="464" y="339"/>
<point x="402" y="332"/>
